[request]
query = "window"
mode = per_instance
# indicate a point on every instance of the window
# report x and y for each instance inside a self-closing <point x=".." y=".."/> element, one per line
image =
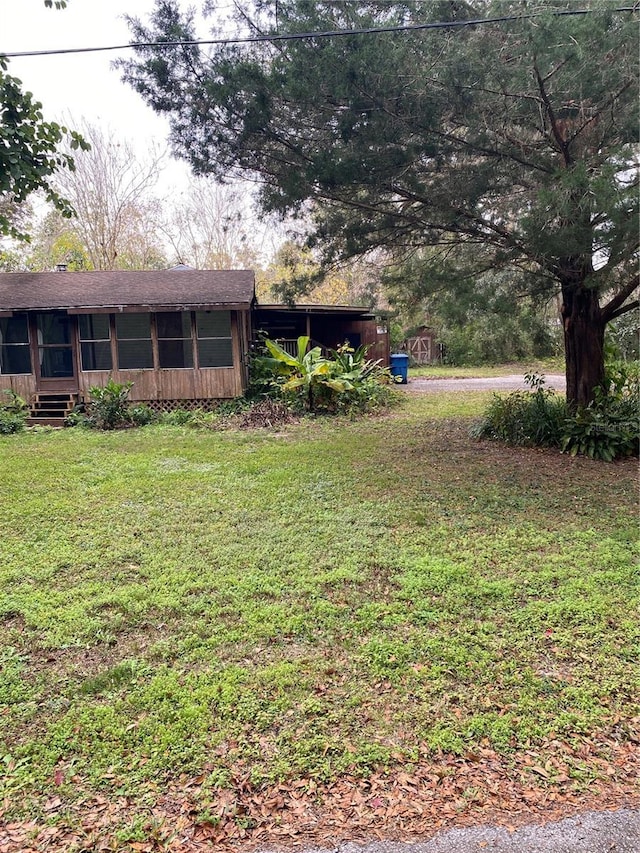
<point x="175" y="346"/>
<point x="133" y="333"/>
<point x="15" y="356"/>
<point x="213" y="330"/>
<point x="55" y="350"/>
<point x="95" y="342"/>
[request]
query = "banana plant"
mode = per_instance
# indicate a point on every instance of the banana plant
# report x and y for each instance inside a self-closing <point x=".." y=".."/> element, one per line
<point x="306" y="370"/>
<point x="354" y="366"/>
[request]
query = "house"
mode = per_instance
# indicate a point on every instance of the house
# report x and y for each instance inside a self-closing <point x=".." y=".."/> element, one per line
<point x="180" y="335"/>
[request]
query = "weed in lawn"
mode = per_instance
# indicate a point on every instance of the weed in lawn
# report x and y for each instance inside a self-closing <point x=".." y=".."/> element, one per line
<point x="112" y="679"/>
<point x="13" y="688"/>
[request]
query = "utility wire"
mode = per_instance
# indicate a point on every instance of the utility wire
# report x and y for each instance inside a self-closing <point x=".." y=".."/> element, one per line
<point x="434" y="25"/>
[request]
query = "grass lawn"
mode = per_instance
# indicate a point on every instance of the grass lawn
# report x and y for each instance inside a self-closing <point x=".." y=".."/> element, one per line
<point x="448" y="371"/>
<point x="212" y="617"/>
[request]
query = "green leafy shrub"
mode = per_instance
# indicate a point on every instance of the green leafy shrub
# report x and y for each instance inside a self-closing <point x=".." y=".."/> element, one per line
<point x="604" y="430"/>
<point x="262" y="373"/>
<point x="177" y="417"/>
<point x="187" y="417"/>
<point x="77" y="417"/>
<point x="231" y="407"/>
<point x="141" y="414"/>
<point x="108" y="406"/>
<point x="609" y="428"/>
<point x="13" y="413"/>
<point x="309" y="381"/>
<point x="532" y="418"/>
<point x="370" y="382"/>
<point x="622" y="380"/>
<point x="305" y="376"/>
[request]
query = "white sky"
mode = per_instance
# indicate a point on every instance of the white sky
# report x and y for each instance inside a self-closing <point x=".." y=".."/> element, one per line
<point x="82" y="86"/>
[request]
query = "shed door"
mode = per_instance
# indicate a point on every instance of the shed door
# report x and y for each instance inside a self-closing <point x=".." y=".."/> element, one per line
<point x="56" y="352"/>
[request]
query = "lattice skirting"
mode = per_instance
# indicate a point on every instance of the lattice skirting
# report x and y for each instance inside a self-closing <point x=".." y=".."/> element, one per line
<point x="162" y="406"/>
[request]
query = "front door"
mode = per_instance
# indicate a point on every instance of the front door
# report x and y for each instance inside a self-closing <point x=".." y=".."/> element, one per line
<point x="56" y="356"/>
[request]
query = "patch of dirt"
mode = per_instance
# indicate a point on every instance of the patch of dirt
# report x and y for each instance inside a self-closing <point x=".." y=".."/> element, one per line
<point x="267" y="414"/>
<point x="76" y="663"/>
<point x="13" y="621"/>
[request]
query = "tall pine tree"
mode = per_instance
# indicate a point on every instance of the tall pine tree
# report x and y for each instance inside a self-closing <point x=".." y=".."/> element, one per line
<point x="507" y="143"/>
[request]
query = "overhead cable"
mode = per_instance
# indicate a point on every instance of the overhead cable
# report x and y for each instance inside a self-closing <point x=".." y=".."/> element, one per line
<point x="277" y="37"/>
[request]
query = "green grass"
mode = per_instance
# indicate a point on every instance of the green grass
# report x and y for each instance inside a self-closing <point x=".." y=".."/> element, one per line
<point x="322" y="600"/>
<point x="448" y="371"/>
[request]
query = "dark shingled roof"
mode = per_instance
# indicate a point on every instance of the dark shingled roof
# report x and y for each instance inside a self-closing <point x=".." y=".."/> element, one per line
<point x="119" y="290"/>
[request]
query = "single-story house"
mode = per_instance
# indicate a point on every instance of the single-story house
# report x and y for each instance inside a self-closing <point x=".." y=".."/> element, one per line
<point x="180" y="335"/>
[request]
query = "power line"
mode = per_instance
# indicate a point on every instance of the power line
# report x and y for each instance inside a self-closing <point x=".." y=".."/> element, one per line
<point x="434" y="25"/>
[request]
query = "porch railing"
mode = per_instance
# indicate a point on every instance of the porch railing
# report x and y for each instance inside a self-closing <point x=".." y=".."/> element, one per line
<point x="290" y="345"/>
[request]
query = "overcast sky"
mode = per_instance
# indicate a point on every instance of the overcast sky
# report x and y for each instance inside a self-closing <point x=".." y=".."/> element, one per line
<point x="83" y="86"/>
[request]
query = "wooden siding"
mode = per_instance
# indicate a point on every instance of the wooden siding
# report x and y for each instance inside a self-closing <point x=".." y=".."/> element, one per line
<point x="24" y="385"/>
<point x="186" y="384"/>
<point x="183" y="384"/>
<point x="372" y="337"/>
<point x="157" y="384"/>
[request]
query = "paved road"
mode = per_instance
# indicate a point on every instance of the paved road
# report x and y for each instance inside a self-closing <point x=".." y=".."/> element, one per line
<point x="513" y="382"/>
<point x="592" y="832"/>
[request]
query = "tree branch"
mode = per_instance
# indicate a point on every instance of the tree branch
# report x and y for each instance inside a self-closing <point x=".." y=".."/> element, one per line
<point x="560" y="141"/>
<point x="613" y="307"/>
<point x="625" y="309"/>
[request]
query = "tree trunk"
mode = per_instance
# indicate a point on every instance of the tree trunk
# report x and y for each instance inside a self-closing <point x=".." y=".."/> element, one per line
<point x="583" y="343"/>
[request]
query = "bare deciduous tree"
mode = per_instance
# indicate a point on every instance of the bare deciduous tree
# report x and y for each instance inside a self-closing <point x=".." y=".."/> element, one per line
<point x="211" y="226"/>
<point x="111" y="190"/>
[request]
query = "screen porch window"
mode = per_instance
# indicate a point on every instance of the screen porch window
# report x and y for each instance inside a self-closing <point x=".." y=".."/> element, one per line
<point x="133" y="335"/>
<point x="15" y="354"/>
<point x="175" y="344"/>
<point x="213" y="330"/>
<point x="95" y="342"/>
<point x="55" y="348"/>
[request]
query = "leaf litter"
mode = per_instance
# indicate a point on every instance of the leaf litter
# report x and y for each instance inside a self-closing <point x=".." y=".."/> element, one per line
<point x="401" y="804"/>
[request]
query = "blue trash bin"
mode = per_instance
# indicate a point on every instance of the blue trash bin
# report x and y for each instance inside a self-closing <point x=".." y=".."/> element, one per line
<point x="399" y="365"/>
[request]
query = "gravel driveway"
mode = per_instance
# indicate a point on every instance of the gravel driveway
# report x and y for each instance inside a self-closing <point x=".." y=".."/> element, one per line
<point x="592" y="832"/>
<point x="514" y="382"/>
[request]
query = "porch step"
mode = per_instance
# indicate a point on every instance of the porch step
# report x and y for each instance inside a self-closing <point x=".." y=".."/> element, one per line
<point x="52" y="422"/>
<point x="51" y="409"/>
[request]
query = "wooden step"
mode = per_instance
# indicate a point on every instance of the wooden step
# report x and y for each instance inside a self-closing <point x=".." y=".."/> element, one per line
<point x="52" y="422"/>
<point x="51" y="409"/>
